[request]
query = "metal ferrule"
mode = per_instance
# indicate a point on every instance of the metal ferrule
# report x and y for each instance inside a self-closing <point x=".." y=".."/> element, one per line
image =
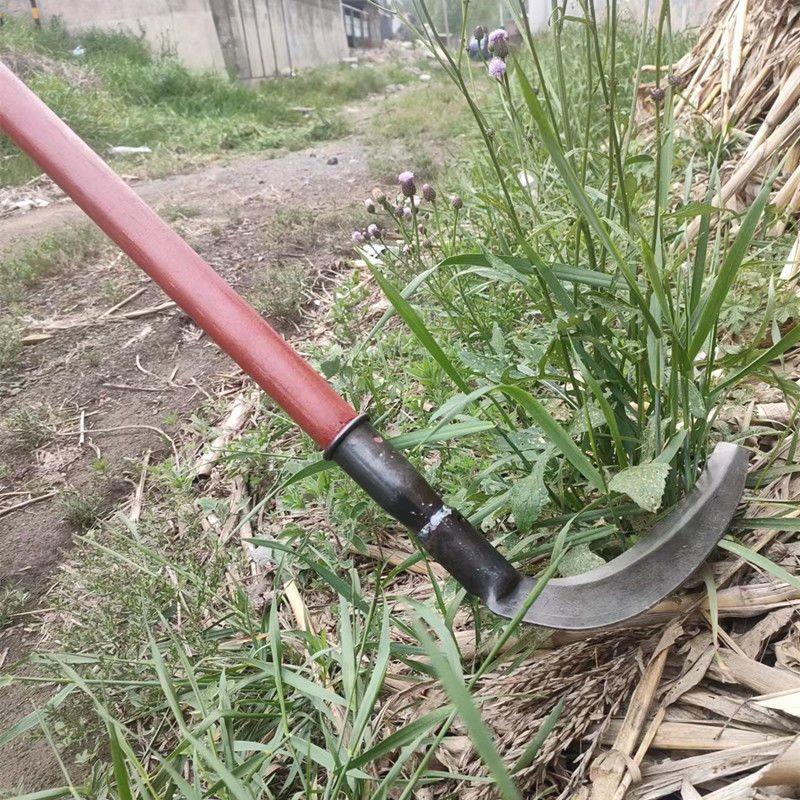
<point x="392" y="482"/>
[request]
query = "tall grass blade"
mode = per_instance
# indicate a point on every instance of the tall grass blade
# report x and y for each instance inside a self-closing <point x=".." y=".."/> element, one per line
<point x="555" y="434"/>
<point x="532" y="750"/>
<point x="760" y="561"/>
<point x="710" y="306"/>
<point x="417" y="326"/>
<point x="580" y="197"/>
<point x="461" y="698"/>
<point x="773" y="353"/>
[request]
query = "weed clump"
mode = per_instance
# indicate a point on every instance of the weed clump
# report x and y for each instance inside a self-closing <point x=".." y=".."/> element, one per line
<point x="31" y="426"/>
<point x="12" y="601"/>
<point x="10" y="341"/>
<point x="82" y="510"/>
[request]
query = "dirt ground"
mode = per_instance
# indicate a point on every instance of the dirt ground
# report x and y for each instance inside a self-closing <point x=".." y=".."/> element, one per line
<point x="107" y="390"/>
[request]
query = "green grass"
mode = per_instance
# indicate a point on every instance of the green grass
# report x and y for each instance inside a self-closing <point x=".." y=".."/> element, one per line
<point x="26" y="264"/>
<point x="120" y="93"/>
<point x="537" y="355"/>
<point x="32" y="427"/>
<point x="425" y="126"/>
<point x="12" y="601"/>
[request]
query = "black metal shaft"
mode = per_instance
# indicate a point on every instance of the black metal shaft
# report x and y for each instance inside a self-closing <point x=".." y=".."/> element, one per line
<point x="392" y="482"/>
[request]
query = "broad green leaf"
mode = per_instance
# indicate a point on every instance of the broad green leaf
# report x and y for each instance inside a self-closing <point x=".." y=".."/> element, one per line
<point x="579" y="559"/>
<point x="644" y="484"/>
<point x="498" y="340"/>
<point x="527" y="498"/>
<point x="697" y="406"/>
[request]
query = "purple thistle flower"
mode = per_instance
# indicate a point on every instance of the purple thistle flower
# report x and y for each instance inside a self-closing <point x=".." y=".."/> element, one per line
<point x="407" y="249"/>
<point x="456" y="202"/>
<point x="498" y="43"/>
<point x="399" y="210"/>
<point x="497" y="68"/>
<point x="406" y="181"/>
<point x="428" y="192"/>
<point x="357" y="237"/>
<point x="373" y="230"/>
<point x="407" y="212"/>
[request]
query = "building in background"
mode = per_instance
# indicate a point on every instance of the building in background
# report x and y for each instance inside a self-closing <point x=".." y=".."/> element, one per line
<point x="250" y="39"/>
<point x="364" y="24"/>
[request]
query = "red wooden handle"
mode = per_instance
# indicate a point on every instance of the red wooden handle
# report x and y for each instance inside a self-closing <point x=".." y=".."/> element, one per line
<point x="233" y="324"/>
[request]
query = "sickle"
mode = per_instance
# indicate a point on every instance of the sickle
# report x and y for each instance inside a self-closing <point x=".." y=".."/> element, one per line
<point x="620" y="589"/>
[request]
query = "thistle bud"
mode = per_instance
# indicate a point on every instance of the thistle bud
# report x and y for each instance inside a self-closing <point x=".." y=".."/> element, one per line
<point x="497" y="68"/>
<point x="428" y="192"/>
<point x="498" y="43"/>
<point x="456" y="202"/>
<point x="479" y="33"/>
<point x="406" y="181"/>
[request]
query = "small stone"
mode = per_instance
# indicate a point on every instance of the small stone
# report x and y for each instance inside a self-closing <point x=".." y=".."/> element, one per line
<point x="333" y="160"/>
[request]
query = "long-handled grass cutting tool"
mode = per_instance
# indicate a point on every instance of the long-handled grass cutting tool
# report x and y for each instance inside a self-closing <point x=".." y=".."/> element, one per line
<point x="626" y="586"/>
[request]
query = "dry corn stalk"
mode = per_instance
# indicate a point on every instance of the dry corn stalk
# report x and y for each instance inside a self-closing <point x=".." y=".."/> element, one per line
<point x="744" y="73"/>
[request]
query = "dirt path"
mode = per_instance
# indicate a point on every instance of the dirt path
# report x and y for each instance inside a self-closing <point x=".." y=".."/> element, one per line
<point x="254" y="179"/>
<point x="83" y="408"/>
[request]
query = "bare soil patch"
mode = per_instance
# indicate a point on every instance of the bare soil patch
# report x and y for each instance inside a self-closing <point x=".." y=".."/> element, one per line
<point x="103" y="386"/>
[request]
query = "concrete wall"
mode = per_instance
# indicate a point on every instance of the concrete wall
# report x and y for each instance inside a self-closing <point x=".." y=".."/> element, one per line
<point x="249" y="39"/>
<point x="316" y="32"/>
<point x="185" y="27"/>
<point x="273" y="37"/>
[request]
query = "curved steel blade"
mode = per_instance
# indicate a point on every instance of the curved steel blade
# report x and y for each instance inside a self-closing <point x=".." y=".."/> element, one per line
<point x="653" y="568"/>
